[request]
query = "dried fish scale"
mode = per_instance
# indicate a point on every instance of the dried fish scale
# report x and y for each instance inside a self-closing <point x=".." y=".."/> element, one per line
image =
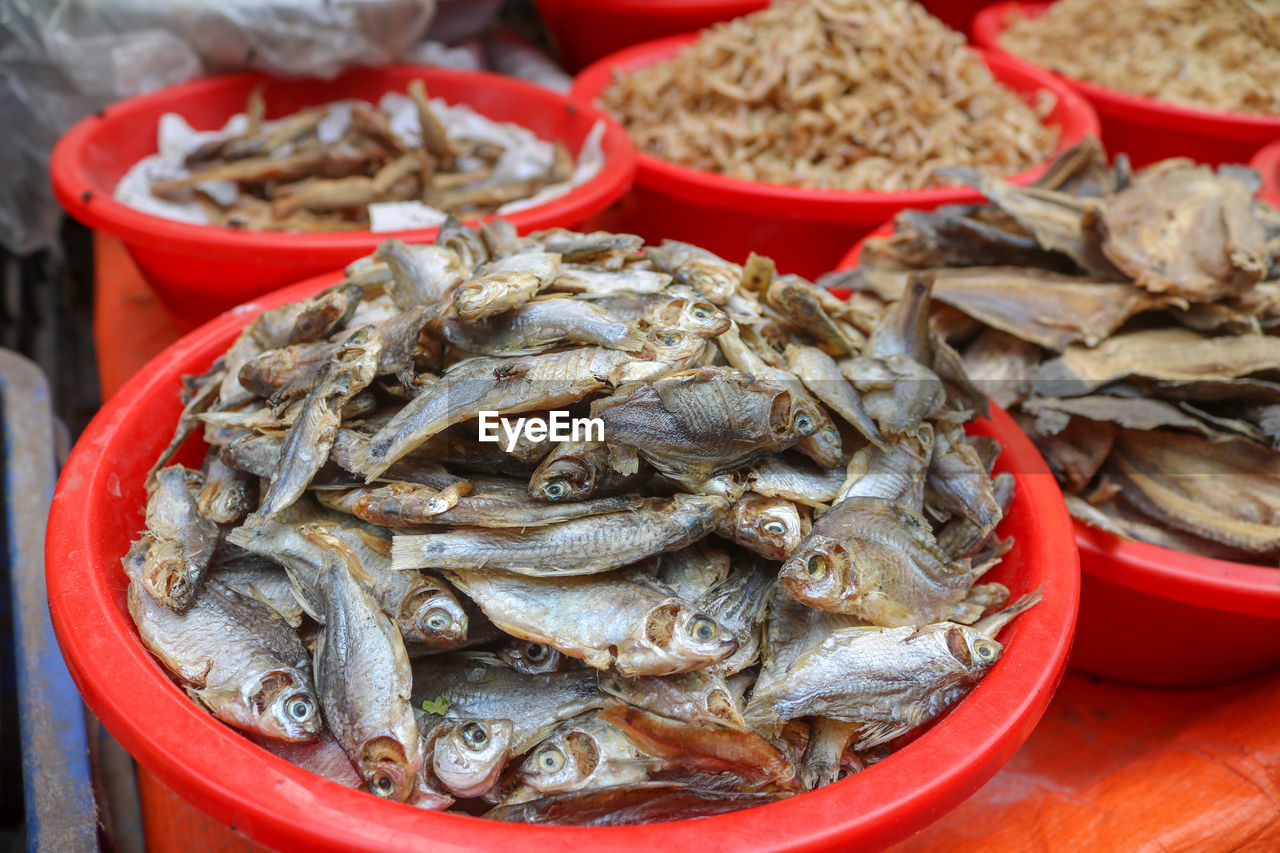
<point x="543" y="625"/>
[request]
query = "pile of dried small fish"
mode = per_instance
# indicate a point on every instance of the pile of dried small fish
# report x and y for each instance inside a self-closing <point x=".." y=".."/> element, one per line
<point x="1213" y="54"/>
<point x="830" y="94"/>
<point x="761" y="577"/>
<point x="323" y="167"/>
<point x="1132" y="320"/>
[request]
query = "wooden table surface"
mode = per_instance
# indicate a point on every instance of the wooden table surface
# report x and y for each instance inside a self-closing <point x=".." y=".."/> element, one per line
<point x="1110" y="767"/>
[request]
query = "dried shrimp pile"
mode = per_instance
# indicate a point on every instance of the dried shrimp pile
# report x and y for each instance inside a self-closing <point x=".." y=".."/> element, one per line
<point x="830" y="94"/>
<point x="1134" y="321"/>
<point x="1214" y="54"/>
<point x="759" y="577"/>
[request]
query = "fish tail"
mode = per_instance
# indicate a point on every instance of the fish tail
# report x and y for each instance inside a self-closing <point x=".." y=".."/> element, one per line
<point x="406" y="553"/>
<point x="365" y="464"/>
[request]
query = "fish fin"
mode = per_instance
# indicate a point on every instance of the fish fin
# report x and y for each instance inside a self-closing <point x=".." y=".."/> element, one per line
<point x="405" y="553"/>
<point x="874" y="734"/>
<point x="965" y="613"/>
<point x="991" y="626"/>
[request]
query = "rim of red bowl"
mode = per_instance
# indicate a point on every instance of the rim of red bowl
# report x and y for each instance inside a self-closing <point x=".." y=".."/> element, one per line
<point x="1267" y="161"/>
<point x="93" y="203"/>
<point x="258" y="792"/>
<point x="681" y="8"/>
<point x="990" y="22"/>
<point x="1175" y="575"/>
<point x="1079" y="119"/>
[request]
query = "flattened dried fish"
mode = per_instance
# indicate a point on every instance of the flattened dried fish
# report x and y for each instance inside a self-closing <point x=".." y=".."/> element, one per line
<point x="184" y="539"/>
<point x="363" y="677"/>
<point x="576" y="547"/>
<point x="644" y="631"/>
<point x="238" y="659"/>
<point x="870" y="558"/>
<point x="890" y="680"/>
<point x="1227" y="491"/>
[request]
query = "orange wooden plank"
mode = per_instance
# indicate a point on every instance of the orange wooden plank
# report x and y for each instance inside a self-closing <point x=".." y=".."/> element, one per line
<point x="1112" y="767"/>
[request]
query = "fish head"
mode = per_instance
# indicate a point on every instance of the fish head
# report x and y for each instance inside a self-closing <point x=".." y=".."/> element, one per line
<point x="387" y="768"/>
<point x="824" y="446"/>
<point x="797" y="415"/>
<point x="973" y="650"/>
<point x="280" y="704"/>
<point x="474" y="298"/>
<point x="822" y="573"/>
<point x="696" y="316"/>
<point x="432" y="616"/>
<point x="168" y="579"/>
<point x="676" y="638"/>
<point x="770" y="526"/>
<point x="469" y="757"/>
<point x="715" y="279"/>
<point x="563" y="762"/>
<point x="566" y="478"/>
<point x="319" y="316"/>
<point x="531" y="658"/>
<point x="674" y="346"/>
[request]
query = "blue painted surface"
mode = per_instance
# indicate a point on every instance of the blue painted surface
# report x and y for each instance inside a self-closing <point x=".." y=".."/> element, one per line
<point x="57" y="782"/>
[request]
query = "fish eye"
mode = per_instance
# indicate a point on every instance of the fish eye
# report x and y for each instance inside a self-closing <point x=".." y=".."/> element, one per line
<point x="438" y="619"/>
<point x="817" y="567"/>
<point x="299" y="708"/>
<point x="702" y="311"/>
<point x="536" y="652"/>
<point x="669" y="340"/>
<point x="475" y="736"/>
<point x="556" y="489"/>
<point x="986" y="651"/>
<point x="776" y="527"/>
<point x="702" y="629"/>
<point x="805" y="424"/>
<point x="549" y="759"/>
<point x="382" y="785"/>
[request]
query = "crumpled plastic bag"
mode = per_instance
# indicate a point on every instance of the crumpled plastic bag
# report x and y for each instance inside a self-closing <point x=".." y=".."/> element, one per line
<point x="60" y="60"/>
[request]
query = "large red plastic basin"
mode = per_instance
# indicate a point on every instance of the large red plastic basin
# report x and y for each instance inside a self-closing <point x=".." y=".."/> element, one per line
<point x="1267" y="162"/>
<point x="804" y="230"/>
<point x="98" y="509"/>
<point x="198" y="271"/>
<point x="586" y="30"/>
<point x="1144" y="128"/>
<point x="1155" y="616"/>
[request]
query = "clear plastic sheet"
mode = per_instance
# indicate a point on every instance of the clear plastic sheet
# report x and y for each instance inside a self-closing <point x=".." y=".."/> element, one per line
<point x="62" y="59"/>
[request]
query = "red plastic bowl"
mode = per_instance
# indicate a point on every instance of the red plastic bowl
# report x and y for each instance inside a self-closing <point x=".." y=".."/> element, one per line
<point x="957" y="14"/>
<point x="98" y="510"/>
<point x="1267" y="162"/>
<point x="587" y="30"/>
<point x="803" y="230"/>
<point x="1144" y="128"/>
<point x="198" y="271"/>
<point x="1155" y="616"/>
